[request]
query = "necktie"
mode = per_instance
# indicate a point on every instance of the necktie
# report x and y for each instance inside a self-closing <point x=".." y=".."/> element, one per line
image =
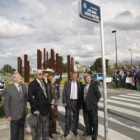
<point x="86" y="91"/>
<point x="20" y="91"/>
<point x="43" y="88"/>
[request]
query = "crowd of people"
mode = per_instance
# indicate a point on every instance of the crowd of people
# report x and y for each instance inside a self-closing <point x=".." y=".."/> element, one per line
<point x="127" y="77"/>
<point x="43" y="94"/>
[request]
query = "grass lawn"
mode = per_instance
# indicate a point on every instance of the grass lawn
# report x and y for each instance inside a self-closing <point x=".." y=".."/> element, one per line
<point x="28" y="111"/>
<point x="112" y="85"/>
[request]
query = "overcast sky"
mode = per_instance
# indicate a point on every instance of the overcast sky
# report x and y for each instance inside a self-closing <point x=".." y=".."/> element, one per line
<point x="28" y="25"/>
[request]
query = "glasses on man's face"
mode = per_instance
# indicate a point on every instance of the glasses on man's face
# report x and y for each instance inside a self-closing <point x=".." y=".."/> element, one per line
<point x="39" y="74"/>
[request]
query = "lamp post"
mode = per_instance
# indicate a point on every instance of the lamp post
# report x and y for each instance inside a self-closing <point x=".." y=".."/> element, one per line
<point x="114" y="31"/>
<point x="131" y="55"/>
<point x="77" y="63"/>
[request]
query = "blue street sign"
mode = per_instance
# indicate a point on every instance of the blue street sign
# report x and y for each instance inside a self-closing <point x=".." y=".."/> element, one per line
<point x="89" y="11"/>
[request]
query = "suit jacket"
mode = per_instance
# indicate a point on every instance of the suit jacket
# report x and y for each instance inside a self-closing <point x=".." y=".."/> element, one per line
<point x="93" y="97"/>
<point x="14" y="105"/>
<point x="67" y="92"/>
<point x="37" y="99"/>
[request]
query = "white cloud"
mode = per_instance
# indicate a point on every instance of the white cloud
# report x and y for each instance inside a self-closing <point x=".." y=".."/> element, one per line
<point x="33" y="6"/>
<point x="35" y="24"/>
<point x="11" y="29"/>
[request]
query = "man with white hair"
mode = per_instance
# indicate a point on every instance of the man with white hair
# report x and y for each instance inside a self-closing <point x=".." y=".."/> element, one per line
<point x="90" y="99"/>
<point x="40" y="105"/>
<point x="15" y="107"/>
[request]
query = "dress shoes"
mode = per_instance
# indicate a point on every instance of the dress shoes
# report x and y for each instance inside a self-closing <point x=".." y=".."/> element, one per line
<point x="86" y="134"/>
<point x="66" y="134"/>
<point x="75" y="133"/>
<point x="51" y="136"/>
<point x="57" y="133"/>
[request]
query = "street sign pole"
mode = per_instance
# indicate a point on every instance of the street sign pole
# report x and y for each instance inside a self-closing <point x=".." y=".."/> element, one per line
<point x="104" y="75"/>
<point x="93" y="13"/>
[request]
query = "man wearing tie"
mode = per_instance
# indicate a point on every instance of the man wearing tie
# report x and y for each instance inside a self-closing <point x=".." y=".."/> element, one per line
<point x="72" y="102"/>
<point x="90" y="98"/>
<point x="39" y="101"/>
<point x="15" y="97"/>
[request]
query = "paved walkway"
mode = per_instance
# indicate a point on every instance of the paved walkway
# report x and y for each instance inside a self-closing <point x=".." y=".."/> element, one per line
<point x="5" y="133"/>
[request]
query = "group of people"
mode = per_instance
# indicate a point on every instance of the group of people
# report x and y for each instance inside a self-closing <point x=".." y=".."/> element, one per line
<point x="76" y="96"/>
<point x="127" y="77"/>
<point x="43" y="94"/>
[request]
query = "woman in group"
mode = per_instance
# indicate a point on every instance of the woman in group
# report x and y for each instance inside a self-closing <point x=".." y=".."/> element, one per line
<point x="54" y="97"/>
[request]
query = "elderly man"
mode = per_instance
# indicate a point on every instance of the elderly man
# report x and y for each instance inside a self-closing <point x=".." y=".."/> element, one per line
<point x="72" y="102"/>
<point x="15" y="97"/>
<point x="39" y="101"/>
<point x="90" y="98"/>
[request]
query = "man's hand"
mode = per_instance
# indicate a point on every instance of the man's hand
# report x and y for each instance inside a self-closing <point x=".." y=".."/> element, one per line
<point x="52" y="106"/>
<point x="36" y="112"/>
<point x="64" y="104"/>
<point x="9" y="119"/>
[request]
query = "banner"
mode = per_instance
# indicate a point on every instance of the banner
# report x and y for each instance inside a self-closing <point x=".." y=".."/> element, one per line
<point x="128" y="80"/>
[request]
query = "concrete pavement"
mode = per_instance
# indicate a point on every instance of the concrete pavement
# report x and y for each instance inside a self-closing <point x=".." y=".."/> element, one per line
<point x="5" y="133"/>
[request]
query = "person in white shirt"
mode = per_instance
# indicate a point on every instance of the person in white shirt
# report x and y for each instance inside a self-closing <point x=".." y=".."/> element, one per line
<point x="72" y="102"/>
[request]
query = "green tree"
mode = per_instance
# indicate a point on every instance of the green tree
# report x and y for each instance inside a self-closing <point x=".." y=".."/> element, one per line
<point x="61" y="58"/>
<point x="97" y="65"/>
<point x="7" y="68"/>
<point x="110" y="71"/>
<point x="64" y="67"/>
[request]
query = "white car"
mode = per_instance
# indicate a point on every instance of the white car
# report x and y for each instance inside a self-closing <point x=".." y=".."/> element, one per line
<point x="98" y="78"/>
<point x="1" y="87"/>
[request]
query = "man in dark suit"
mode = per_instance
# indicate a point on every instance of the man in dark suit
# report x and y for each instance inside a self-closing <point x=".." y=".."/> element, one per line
<point x="72" y="102"/>
<point x="39" y="101"/>
<point x="90" y="98"/>
<point x="15" y="97"/>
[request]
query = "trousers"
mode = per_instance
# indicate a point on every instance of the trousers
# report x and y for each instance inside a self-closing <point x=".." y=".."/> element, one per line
<point x="71" y="108"/>
<point x="41" y="129"/>
<point x="17" y="129"/>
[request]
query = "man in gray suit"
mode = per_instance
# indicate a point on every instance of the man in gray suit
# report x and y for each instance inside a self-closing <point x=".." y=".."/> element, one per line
<point x="15" y="97"/>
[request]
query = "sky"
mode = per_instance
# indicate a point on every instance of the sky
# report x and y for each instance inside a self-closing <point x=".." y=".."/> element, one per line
<point x="28" y="25"/>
